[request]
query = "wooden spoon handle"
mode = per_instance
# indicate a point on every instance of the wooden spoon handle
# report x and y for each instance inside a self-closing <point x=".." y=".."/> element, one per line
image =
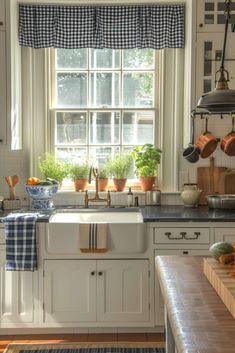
<point x="12" y="194"/>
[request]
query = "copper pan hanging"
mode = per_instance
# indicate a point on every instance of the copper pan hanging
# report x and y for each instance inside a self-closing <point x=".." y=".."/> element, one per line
<point x="206" y="142"/>
<point x="228" y="142"/>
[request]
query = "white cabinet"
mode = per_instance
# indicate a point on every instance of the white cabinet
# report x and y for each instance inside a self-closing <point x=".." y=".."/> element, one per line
<point x="177" y="239"/>
<point x="69" y="290"/>
<point x="2" y="15"/>
<point x="209" y="51"/>
<point x="210" y="15"/>
<point x="96" y="290"/>
<point x="123" y="290"/>
<point x="3" y="80"/>
<point x="225" y="234"/>
<point x="18" y="293"/>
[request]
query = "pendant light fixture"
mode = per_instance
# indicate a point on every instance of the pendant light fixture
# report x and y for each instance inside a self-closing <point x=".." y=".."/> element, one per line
<point x="222" y="98"/>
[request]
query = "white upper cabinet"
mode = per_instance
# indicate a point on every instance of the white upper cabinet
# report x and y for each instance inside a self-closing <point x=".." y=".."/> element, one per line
<point x="2" y="15"/>
<point x="210" y="15"/>
<point x="209" y="52"/>
<point x="3" y="69"/>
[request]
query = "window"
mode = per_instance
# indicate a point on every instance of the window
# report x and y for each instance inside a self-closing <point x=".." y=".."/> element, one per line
<point x="103" y="102"/>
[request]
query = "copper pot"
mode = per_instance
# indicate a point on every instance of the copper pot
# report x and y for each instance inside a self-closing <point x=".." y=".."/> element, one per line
<point x="228" y="142"/>
<point x="206" y="143"/>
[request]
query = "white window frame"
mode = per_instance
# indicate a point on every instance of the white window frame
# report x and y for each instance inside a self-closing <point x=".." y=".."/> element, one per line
<point x="177" y="67"/>
<point x="51" y="118"/>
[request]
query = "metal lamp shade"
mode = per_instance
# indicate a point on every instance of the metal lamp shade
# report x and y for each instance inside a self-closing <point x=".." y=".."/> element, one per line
<point x="218" y="101"/>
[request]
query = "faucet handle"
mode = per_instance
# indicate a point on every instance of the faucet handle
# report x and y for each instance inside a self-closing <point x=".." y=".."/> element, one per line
<point x="86" y="199"/>
<point x="108" y="199"/>
<point x="90" y="174"/>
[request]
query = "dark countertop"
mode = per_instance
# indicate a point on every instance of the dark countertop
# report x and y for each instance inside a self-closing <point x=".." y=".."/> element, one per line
<point x="164" y="213"/>
<point x="168" y="213"/>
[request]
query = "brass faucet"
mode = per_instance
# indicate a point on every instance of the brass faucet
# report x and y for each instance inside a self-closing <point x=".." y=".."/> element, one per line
<point x="96" y="198"/>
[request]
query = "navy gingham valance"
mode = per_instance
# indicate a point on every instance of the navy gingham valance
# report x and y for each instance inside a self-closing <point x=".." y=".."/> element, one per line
<point x="114" y="27"/>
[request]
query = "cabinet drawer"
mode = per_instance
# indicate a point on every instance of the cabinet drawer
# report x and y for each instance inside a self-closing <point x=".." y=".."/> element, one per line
<point x="188" y="252"/>
<point x="225" y="234"/>
<point x="181" y="235"/>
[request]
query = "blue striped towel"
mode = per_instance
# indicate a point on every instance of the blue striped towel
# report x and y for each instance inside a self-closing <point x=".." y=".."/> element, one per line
<point x="20" y="234"/>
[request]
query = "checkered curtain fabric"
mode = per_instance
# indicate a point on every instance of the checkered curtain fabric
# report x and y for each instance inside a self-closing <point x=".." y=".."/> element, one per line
<point x="114" y="27"/>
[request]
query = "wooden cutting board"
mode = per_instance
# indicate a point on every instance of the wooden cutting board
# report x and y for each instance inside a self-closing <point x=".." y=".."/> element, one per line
<point x="208" y="180"/>
<point x="218" y="276"/>
<point x="227" y="182"/>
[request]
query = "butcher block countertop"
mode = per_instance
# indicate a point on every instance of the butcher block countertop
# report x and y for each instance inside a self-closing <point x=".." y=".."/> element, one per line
<point x="199" y="320"/>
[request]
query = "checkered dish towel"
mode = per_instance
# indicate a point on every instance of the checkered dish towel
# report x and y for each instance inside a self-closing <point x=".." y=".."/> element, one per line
<point x="20" y="234"/>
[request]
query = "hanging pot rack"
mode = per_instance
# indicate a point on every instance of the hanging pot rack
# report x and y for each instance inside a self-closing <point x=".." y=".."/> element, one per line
<point x="206" y="114"/>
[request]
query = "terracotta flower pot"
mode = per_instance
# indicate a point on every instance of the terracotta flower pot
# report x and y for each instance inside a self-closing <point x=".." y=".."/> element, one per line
<point x="119" y="184"/>
<point x="80" y="184"/>
<point x="147" y="182"/>
<point x="103" y="184"/>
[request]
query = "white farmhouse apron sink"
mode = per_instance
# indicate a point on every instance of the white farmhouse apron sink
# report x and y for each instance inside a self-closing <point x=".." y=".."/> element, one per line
<point x="126" y="230"/>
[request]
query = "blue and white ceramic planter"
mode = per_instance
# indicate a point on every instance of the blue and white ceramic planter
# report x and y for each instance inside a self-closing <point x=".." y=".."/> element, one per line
<point x="41" y="195"/>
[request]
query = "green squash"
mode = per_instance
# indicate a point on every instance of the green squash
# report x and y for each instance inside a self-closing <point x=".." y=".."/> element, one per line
<point x="220" y="248"/>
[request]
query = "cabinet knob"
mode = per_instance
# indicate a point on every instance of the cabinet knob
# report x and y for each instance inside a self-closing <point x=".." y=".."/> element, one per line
<point x="93" y="273"/>
<point x="100" y="273"/>
<point x="1" y="140"/>
<point x="201" y="25"/>
<point x="1" y="23"/>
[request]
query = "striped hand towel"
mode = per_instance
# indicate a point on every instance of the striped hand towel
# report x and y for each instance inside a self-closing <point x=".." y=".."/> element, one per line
<point x="20" y="234"/>
<point x="93" y="237"/>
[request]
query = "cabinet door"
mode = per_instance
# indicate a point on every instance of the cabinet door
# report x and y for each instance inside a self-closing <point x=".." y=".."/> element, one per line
<point x="2" y="15"/>
<point x="123" y="290"/>
<point x="210" y="15"/>
<point x="225" y="234"/>
<point x="3" y="87"/>
<point x="69" y="290"/>
<point x="17" y="294"/>
<point x="209" y="51"/>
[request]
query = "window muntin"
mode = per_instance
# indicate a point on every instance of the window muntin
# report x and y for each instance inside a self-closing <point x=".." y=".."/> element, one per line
<point x="103" y="102"/>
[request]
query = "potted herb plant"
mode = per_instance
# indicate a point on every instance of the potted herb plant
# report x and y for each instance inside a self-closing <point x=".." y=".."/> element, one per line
<point x="147" y="159"/>
<point x="79" y="173"/>
<point x="120" y="168"/>
<point x="103" y="178"/>
<point x="52" y="169"/>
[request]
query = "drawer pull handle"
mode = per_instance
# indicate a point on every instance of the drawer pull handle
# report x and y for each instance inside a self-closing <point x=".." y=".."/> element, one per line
<point x="196" y="236"/>
<point x="100" y="273"/>
<point x="185" y="252"/>
<point x="93" y="273"/>
<point x="170" y="237"/>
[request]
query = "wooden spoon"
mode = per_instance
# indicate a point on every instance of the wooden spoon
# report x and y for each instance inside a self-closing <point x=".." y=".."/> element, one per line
<point x="15" y="179"/>
<point x="12" y="181"/>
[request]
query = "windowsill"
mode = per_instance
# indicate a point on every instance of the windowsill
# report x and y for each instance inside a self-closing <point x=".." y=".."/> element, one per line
<point x="70" y="191"/>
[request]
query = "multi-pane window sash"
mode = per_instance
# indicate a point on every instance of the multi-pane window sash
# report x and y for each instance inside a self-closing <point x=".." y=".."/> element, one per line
<point x="103" y="116"/>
